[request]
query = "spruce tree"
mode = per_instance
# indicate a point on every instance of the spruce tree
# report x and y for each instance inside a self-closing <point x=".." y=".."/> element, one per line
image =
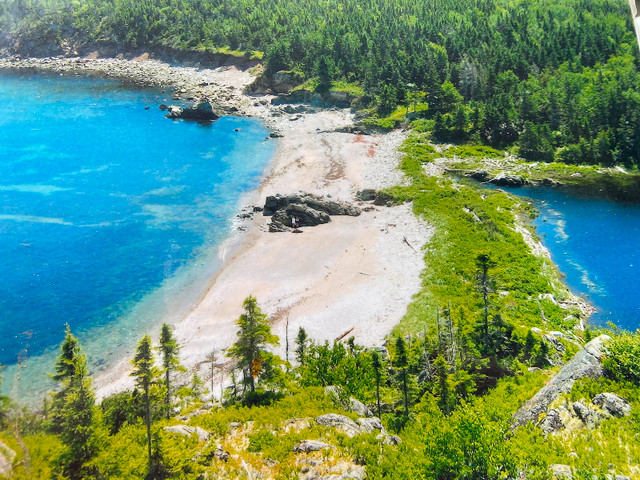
<point x="144" y="373"/>
<point x="73" y="408"/>
<point x="253" y="337"/>
<point x="377" y="370"/>
<point x="169" y="350"/>
<point x="301" y="346"/>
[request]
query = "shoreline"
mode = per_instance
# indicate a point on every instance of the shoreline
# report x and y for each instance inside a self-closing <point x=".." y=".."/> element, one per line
<point x="355" y="274"/>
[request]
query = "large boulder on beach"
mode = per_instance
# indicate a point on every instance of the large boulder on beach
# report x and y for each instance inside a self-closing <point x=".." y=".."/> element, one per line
<point x="200" y="112"/>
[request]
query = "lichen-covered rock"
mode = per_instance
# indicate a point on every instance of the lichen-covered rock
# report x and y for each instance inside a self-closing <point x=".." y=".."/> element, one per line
<point x="348" y="426"/>
<point x="551" y="422"/>
<point x="612" y="404"/>
<point x="370" y="424"/>
<point x="7" y="456"/>
<point x="590" y="417"/>
<point x="188" y="430"/>
<point x="586" y="363"/>
<point x="310" y="446"/>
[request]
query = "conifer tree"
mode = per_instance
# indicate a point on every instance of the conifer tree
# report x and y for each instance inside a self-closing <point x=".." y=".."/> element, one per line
<point x="144" y="373"/>
<point x="484" y="284"/>
<point x="169" y="350"/>
<point x="73" y="408"/>
<point x="253" y="337"/>
<point x="402" y="362"/>
<point x="377" y="369"/>
<point x="301" y="346"/>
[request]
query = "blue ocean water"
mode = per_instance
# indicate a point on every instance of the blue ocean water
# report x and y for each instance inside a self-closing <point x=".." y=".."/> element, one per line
<point x="595" y="242"/>
<point x="108" y="212"/>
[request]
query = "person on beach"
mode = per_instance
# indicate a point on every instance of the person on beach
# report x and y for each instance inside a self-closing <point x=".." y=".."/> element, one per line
<point x="294" y="222"/>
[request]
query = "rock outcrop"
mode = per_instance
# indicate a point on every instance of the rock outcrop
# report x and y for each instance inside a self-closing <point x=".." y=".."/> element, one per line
<point x="309" y="210"/>
<point x="612" y="404"/>
<point x="359" y="427"/>
<point x="201" y="112"/>
<point x="505" y="180"/>
<point x="188" y="430"/>
<point x="586" y="363"/>
<point x="7" y="456"/>
<point x="310" y="446"/>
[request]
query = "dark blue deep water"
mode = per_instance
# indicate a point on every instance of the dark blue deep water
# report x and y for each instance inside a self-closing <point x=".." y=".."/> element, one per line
<point x="595" y="242"/>
<point x="108" y="212"/>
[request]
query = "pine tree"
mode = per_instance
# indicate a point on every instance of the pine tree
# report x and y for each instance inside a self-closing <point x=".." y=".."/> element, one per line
<point x="169" y="350"/>
<point x="144" y="373"/>
<point x="73" y="408"/>
<point x="253" y="337"/>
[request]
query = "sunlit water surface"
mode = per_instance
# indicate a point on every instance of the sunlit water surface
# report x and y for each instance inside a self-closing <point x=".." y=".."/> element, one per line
<point x="110" y="216"/>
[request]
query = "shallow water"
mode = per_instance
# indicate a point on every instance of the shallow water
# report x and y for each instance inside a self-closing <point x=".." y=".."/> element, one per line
<point x="110" y="214"/>
<point x="595" y="241"/>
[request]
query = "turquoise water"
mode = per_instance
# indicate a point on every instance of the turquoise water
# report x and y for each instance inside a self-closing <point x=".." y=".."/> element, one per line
<point x="109" y="214"/>
<point x="595" y="241"/>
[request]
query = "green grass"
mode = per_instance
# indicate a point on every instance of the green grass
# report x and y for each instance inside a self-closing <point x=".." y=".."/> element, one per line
<point x="470" y="220"/>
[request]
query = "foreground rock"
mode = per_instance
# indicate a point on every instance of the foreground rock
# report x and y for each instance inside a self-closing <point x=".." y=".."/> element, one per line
<point x="309" y="210"/>
<point x="6" y="459"/>
<point x="586" y="363"/>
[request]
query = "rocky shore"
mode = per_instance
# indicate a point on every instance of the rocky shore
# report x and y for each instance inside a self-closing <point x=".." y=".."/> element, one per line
<point x="223" y="86"/>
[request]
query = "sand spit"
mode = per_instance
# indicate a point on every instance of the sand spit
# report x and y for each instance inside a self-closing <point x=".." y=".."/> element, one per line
<point x="355" y="274"/>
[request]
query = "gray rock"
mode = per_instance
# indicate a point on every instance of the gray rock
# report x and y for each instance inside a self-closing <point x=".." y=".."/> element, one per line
<point x="389" y="439"/>
<point x="612" y="404"/>
<point x="551" y="422"/>
<point x="586" y="363"/>
<point x="188" y="430"/>
<point x="370" y="424"/>
<point x="202" y="111"/>
<point x="505" y="180"/>
<point x="561" y="471"/>
<point x="366" y="195"/>
<point x="348" y="426"/>
<point x="480" y="175"/>
<point x="384" y="199"/>
<point x="308" y="216"/>
<point x="7" y="456"/>
<point x="350" y="404"/>
<point x="310" y="446"/>
<point x="283" y="81"/>
<point x="589" y="416"/>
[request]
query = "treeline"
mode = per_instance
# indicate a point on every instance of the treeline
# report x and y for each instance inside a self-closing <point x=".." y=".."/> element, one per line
<point x="558" y="79"/>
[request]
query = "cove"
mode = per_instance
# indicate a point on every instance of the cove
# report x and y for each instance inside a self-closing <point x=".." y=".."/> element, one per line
<point x="111" y="216"/>
<point x="595" y="242"/>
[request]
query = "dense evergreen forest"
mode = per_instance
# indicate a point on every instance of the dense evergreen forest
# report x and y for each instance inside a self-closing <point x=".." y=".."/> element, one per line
<point x="557" y="79"/>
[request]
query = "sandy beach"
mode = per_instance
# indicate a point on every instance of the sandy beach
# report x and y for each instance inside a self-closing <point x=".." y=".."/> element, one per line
<point x="354" y="274"/>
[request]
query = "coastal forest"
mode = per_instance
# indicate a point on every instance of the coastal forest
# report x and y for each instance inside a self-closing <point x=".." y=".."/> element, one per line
<point x="558" y="80"/>
<point x="451" y="395"/>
